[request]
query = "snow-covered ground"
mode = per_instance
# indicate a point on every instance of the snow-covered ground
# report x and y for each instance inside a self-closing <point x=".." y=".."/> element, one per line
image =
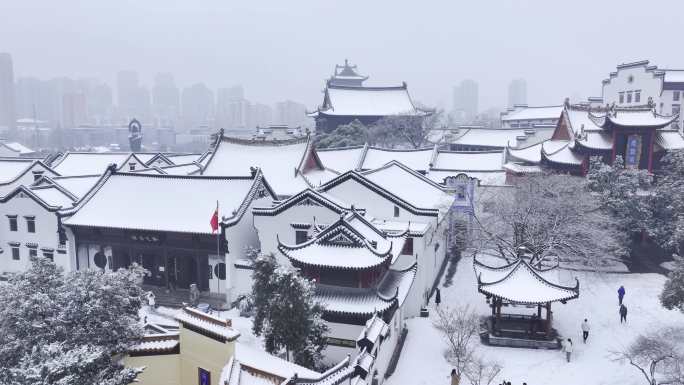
<point x="422" y="360"/>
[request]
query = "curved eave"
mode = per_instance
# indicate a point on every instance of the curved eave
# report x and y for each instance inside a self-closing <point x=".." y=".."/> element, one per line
<point x="663" y="124"/>
<point x="285" y="250"/>
<point x="547" y="157"/>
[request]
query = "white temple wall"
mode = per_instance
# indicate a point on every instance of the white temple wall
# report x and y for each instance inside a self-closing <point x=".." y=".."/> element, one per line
<point x="45" y="236"/>
<point x="642" y="80"/>
<point x="281" y="225"/>
<point x="240" y="236"/>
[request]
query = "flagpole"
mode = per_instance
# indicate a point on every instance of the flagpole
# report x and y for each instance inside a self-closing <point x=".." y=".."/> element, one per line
<point x="218" y="248"/>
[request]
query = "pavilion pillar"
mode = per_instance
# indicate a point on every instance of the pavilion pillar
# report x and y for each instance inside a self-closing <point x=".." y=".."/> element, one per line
<point x="199" y="267"/>
<point x="549" y="316"/>
<point x="166" y="268"/>
<point x="538" y="311"/>
<point x="650" y="151"/>
<point x="612" y="156"/>
<point x="498" y="310"/>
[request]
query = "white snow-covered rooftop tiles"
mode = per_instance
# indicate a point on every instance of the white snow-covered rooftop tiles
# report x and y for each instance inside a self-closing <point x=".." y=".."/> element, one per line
<point x="19" y="148"/>
<point x="531" y="154"/>
<point x="207" y="322"/>
<point x="363" y="101"/>
<point x="336" y="257"/>
<point x="558" y="151"/>
<point x="183" y="158"/>
<point x="495" y="178"/>
<point x="53" y="196"/>
<point x="278" y="163"/>
<point x="342" y="159"/>
<point x="161" y="202"/>
<point x="77" y="185"/>
<point x="640" y="118"/>
<point x="534" y="113"/>
<point x="670" y="140"/>
<point x="410" y="186"/>
<point x="88" y="163"/>
<point x="489" y="137"/>
<point x="414" y="159"/>
<point x="579" y="120"/>
<point x="260" y="360"/>
<point x="181" y="169"/>
<point x="11" y="168"/>
<point x="470" y="161"/>
<point x="156" y="344"/>
<point x="520" y="168"/>
<point x="522" y="284"/>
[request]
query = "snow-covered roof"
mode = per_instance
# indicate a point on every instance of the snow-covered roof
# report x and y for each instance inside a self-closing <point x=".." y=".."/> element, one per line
<point x="410" y="186"/>
<point x="533" y="113"/>
<point x="12" y="168"/>
<point x="341" y="159"/>
<point x="282" y="162"/>
<point x="469" y="160"/>
<point x="375" y="328"/>
<point x="91" y="163"/>
<point x="183" y="158"/>
<point x="558" y="151"/>
<point x="486" y="178"/>
<point x="53" y="196"/>
<point x="530" y="154"/>
<point x="209" y="323"/>
<point x="157" y="343"/>
<point x="394" y="228"/>
<point x="251" y="366"/>
<point x="640" y="118"/>
<point x="670" y="140"/>
<point x="156" y="202"/>
<point x="344" y="246"/>
<point x="368" y="101"/>
<point x="18" y="148"/>
<point x="521" y="168"/>
<point x="77" y="185"/>
<point x="520" y="283"/>
<point x="392" y="290"/>
<point x="305" y="197"/>
<point x="418" y="160"/>
<point x="182" y="169"/>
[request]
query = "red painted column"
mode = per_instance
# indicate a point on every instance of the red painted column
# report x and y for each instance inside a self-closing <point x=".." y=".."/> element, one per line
<point x="650" y="151"/>
<point x="612" y="158"/>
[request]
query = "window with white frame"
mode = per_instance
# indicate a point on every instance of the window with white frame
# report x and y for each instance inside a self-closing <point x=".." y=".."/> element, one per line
<point x="15" y="251"/>
<point x="637" y="96"/>
<point x="30" y="224"/>
<point x="675" y="96"/>
<point x="622" y="97"/>
<point x="629" y="97"/>
<point x="12" y="222"/>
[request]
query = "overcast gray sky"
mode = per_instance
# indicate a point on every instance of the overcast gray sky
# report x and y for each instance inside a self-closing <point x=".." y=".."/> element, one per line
<point x="284" y="49"/>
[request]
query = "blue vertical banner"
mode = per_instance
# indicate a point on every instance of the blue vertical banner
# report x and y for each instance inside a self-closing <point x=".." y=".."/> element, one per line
<point x="633" y="151"/>
<point x="204" y="377"/>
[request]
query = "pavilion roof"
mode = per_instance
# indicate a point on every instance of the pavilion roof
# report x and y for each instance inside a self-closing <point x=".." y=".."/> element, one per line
<point x="368" y="101"/>
<point x="350" y="244"/>
<point x="391" y="291"/>
<point x="520" y="283"/>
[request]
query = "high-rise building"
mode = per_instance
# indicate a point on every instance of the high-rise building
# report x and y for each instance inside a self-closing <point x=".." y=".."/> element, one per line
<point x="517" y="92"/>
<point x="197" y="104"/>
<point x="466" y="96"/>
<point x="8" y="118"/>
<point x="133" y="100"/>
<point x="261" y="115"/>
<point x="74" y="109"/>
<point x="290" y="113"/>
<point x="232" y="109"/>
<point x="165" y="100"/>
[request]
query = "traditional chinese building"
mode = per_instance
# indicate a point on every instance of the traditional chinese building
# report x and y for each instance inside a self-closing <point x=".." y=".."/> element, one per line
<point x="359" y="271"/>
<point x="345" y="99"/>
<point x="638" y="134"/>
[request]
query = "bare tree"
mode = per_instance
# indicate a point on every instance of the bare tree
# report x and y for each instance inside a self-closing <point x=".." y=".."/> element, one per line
<point x="550" y="215"/>
<point x="658" y="356"/>
<point x="460" y="328"/>
<point x="481" y="372"/>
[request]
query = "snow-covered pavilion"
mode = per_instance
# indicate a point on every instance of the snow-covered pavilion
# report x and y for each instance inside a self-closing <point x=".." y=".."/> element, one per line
<point x="520" y="284"/>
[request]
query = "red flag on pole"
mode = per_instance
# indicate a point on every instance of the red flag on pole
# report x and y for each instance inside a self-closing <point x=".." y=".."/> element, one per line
<point x="214" y="222"/>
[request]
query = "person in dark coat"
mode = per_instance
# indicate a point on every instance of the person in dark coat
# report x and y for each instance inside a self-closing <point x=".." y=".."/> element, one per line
<point x="438" y="297"/>
<point x="623" y="313"/>
<point x="621" y="294"/>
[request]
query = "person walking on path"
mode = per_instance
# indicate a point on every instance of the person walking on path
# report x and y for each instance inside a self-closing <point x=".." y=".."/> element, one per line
<point x="623" y="313"/>
<point x="621" y="294"/>
<point x="438" y="297"/>
<point x="455" y="378"/>
<point x="151" y="302"/>
<point x="567" y="348"/>
<point x="585" y="330"/>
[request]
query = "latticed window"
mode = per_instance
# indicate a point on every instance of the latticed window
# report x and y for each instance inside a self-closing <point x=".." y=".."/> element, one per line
<point x="31" y="224"/>
<point x="408" y="247"/>
<point x="12" y="222"/>
<point x="300" y="236"/>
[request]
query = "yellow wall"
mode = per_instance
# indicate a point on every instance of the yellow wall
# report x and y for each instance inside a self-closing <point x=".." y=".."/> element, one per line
<point x="159" y="369"/>
<point x="198" y="351"/>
